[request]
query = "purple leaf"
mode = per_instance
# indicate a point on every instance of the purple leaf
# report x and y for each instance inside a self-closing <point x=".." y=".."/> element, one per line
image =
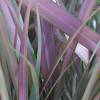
<point x="66" y="22"/>
<point x="23" y="51"/>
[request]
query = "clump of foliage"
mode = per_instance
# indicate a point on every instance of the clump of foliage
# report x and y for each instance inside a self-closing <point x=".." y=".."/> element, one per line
<point x="49" y="49"/>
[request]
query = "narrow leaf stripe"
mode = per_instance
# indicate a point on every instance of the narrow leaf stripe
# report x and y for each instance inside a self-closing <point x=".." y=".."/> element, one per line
<point x="39" y="35"/>
<point x="23" y="51"/>
<point x="3" y="88"/>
